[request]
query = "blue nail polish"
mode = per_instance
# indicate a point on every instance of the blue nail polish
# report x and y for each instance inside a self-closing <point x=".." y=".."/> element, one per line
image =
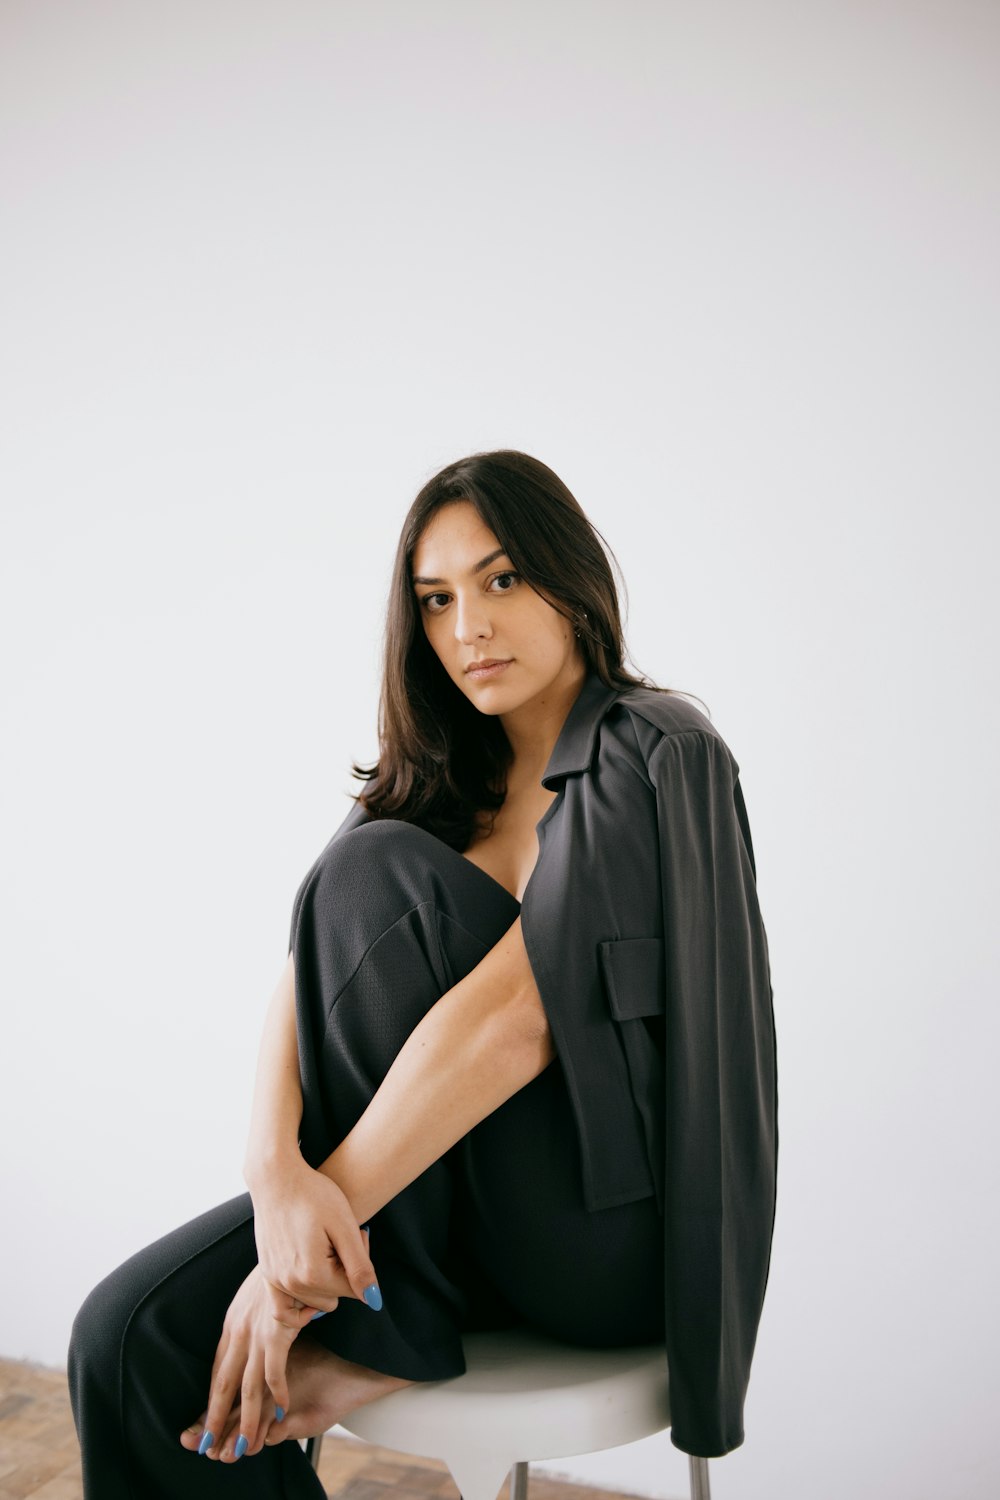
<point x="320" y="1314"/>
<point x="242" y="1444"/>
<point x="366" y="1226"/>
<point x="207" y="1439"/>
<point x="279" y="1412"/>
<point x="373" y="1296"/>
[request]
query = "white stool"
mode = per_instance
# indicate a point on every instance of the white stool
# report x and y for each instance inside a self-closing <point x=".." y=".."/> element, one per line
<point x="523" y="1397"/>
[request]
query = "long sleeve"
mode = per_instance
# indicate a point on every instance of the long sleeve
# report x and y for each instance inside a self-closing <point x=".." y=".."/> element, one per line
<point x="721" y="1090"/>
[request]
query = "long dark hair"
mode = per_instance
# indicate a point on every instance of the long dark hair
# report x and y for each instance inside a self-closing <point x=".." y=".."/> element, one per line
<point x="441" y="761"/>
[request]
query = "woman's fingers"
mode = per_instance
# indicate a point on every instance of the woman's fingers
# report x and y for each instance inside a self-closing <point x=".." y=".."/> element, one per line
<point x="251" y="1399"/>
<point x="191" y="1436"/>
<point x="265" y="1427"/>
<point x="224" y="1389"/>
<point x="287" y="1310"/>
<point x="358" y="1266"/>
<point x="348" y="1261"/>
<point x="275" y="1368"/>
<point x="267" y="1417"/>
<point x="205" y="1438"/>
<point x="225" y="1448"/>
<point x="251" y="1417"/>
<point x="249" y="1367"/>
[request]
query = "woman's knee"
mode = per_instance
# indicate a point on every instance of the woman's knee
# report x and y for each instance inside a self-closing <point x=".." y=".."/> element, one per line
<point x="174" y="1292"/>
<point x="383" y="844"/>
<point x="99" y="1327"/>
<point x="375" y="872"/>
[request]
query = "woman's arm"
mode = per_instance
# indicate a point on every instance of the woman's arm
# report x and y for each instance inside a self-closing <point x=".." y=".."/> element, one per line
<point x="486" y="1038"/>
<point x="482" y="1041"/>
<point x="302" y="1221"/>
<point x="276" y="1113"/>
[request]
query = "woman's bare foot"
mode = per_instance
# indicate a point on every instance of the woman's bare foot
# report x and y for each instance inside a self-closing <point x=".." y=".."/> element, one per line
<point x="322" y="1388"/>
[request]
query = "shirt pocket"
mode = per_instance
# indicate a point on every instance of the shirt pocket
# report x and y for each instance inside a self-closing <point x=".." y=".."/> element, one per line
<point x="633" y="972"/>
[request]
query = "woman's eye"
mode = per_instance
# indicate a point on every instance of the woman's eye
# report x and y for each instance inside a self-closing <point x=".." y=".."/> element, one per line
<point x="507" y="574"/>
<point x="427" y="601"/>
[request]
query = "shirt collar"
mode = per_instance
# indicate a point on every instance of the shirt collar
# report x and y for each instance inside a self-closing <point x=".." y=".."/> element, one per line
<point x="574" y="749"/>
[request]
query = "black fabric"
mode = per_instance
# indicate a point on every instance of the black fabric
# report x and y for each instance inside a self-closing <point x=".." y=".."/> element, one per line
<point x="646" y="940"/>
<point x="494" y="1233"/>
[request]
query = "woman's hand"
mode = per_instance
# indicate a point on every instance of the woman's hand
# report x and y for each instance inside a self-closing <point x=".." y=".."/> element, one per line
<point x="308" y="1241"/>
<point x="303" y="1221"/>
<point x="260" y="1326"/>
<point x="310" y="1254"/>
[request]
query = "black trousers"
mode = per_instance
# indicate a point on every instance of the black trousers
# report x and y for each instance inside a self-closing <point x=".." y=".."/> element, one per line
<point x="492" y="1234"/>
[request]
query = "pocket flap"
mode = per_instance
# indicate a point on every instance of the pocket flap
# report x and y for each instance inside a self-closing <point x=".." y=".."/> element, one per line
<point x="634" y="976"/>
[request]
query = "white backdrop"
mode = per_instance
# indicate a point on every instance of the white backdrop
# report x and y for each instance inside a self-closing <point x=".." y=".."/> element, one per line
<point x="730" y="269"/>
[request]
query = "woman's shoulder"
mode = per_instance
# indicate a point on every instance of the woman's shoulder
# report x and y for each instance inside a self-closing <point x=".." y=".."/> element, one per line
<point x="654" y="713"/>
<point x="667" y="710"/>
<point x="642" y="717"/>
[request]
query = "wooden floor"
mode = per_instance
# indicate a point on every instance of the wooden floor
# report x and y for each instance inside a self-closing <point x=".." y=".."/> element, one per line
<point x="39" y="1456"/>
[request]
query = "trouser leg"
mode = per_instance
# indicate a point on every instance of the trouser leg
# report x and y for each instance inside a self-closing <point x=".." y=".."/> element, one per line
<point x="390" y="919"/>
<point x="144" y="1340"/>
<point x="140" y="1361"/>
<point x="493" y="1232"/>
<point x="594" y="1279"/>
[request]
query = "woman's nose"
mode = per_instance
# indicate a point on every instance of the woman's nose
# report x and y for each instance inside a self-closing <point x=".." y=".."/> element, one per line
<point x="471" y="621"/>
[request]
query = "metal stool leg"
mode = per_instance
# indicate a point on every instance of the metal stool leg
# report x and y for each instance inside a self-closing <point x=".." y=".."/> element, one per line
<point x="519" y="1482"/>
<point x="699" y="1478"/>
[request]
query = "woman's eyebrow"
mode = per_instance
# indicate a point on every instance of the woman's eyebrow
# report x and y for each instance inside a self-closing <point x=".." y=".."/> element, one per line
<point x="484" y="562"/>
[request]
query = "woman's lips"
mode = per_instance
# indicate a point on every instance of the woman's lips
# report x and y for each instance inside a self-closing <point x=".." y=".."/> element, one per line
<point x="481" y="673"/>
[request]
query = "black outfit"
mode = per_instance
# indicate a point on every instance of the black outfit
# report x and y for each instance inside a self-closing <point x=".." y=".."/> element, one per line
<point x="493" y="1233"/>
<point x="645" y="939"/>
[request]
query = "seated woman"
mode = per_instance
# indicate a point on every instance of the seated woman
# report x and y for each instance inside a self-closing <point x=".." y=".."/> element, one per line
<point x="519" y="1066"/>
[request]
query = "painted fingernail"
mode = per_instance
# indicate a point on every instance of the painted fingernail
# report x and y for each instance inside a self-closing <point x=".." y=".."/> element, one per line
<point x="373" y="1296"/>
<point x="279" y="1412"/>
<point x="207" y="1440"/>
<point x="242" y="1444"/>
<point x="321" y="1314"/>
<point x="366" y="1226"/>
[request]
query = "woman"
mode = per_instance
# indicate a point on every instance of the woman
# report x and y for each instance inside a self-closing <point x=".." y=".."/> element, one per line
<point x="478" y="1103"/>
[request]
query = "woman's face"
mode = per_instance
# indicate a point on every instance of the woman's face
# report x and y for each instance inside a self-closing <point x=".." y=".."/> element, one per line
<point x="475" y="608"/>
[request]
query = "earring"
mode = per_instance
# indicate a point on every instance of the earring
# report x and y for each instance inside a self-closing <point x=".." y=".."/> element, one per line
<point x="577" y="631"/>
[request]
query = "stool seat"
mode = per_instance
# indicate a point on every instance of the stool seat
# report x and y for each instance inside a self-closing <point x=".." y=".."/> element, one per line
<point x="523" y="1397"/>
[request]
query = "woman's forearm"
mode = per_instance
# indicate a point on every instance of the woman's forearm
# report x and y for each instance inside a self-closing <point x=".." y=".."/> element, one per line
<point x="276" y="1113"/>
<point x="486" y="1038"/>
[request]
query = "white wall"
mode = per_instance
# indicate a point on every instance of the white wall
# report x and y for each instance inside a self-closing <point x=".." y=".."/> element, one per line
<point x="731" y="270"/>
